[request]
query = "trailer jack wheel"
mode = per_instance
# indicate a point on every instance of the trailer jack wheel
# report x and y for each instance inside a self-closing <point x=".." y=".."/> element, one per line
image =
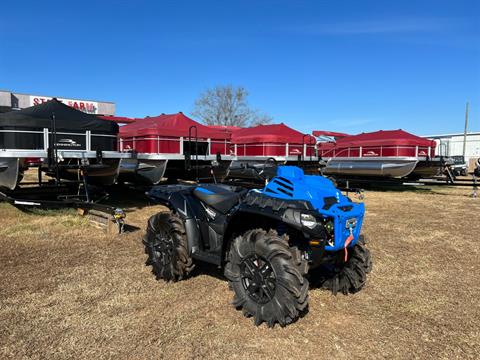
<point x="119" y="218"/>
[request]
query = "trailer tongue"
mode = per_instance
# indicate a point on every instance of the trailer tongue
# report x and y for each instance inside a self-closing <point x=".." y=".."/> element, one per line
<point x="110" y="218"/>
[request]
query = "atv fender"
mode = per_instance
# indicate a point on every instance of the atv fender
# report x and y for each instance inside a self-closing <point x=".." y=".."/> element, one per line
<point x="177" y="203"/>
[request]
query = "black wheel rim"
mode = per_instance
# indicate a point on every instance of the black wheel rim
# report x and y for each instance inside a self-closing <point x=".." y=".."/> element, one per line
<point x="258" y="279"/>
<point x="163" y="246"/>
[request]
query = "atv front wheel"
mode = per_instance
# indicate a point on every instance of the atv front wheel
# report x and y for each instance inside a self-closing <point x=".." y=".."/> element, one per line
<point x="166" y="246"/>
<point x="350" y="276"/>
<point x="267" y="277"/>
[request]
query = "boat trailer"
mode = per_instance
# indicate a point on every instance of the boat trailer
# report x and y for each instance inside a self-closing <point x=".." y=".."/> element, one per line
<point x="55" y="196"/>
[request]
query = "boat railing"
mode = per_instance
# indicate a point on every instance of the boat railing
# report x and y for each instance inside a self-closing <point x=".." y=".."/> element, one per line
<point x="275" y="149"/>
<point x="77" y="141"/>
<point x="174" y="145"/>
<point x="377" y="151"/>
<point x="225" y="147"/>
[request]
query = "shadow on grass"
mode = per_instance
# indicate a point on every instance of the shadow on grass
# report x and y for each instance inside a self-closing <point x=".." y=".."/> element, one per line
<point x="202" y="268"/>
<point x="128" y="228"/>
<point x="52" y="211"/>
<point x="128" y="198"/>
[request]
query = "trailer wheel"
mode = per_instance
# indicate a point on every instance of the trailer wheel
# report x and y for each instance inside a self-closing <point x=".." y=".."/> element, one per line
<point x="166" y="246"/>
<point x="351" y="276"/>
<point x="267" y="277"/>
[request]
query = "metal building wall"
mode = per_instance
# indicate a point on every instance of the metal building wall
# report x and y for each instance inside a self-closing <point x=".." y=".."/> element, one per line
<point x="452" y="145"/>
<point x="9" y="100"/>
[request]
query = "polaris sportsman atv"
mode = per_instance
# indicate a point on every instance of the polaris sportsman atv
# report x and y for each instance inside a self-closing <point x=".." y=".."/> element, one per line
<point x="265" y="240"/>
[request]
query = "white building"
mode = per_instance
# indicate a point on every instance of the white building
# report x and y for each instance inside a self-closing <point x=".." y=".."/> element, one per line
<point x="452" y="145"/>
<point x="15" y="101"/>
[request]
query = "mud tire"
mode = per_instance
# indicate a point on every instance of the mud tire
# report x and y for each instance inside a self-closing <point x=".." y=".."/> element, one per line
<point x="289" y="299"/>
<point x="166" y="246"/>
<point x="351" y="276"/>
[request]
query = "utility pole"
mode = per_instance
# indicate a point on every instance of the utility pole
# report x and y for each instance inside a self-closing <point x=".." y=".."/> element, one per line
<point x="465" y="131"/>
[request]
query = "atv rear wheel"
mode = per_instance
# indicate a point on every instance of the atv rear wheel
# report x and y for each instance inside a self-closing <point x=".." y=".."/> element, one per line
<point x="350" y="276"/>
<point x="166" y="246"/>
<point x="267" y="277"/>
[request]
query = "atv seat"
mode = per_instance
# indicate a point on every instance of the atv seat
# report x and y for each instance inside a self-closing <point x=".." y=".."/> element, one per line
<point x="219" y="197"/>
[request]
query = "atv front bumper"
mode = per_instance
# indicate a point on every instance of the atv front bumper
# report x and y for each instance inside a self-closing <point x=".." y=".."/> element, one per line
<point x="339" y="225"/>
<point x="347" y="225"/>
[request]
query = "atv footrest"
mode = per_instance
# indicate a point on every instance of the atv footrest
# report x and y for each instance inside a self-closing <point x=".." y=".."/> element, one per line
<point x="207" y="257"/>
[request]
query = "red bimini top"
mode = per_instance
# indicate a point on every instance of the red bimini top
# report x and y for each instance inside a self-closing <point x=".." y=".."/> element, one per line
<point x="276" y="133"/>
<point x="175" y="125"/>
<point x="384" y="138"/>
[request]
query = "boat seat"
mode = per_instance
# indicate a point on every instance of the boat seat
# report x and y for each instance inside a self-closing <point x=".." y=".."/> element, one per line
<point x="220" y="197"/>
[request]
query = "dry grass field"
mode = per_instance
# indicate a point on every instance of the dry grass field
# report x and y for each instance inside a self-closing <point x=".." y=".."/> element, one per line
<point x="69" y="291"/>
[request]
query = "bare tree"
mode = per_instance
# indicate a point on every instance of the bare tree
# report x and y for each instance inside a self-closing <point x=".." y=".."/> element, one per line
<point x="260" y="119"/>
<point x="228" y="106"/>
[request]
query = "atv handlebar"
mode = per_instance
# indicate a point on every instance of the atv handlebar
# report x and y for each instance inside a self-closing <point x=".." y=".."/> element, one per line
<point x="261" y="170"/>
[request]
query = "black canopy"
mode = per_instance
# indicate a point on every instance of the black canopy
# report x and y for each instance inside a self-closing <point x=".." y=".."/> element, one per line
<point x="66" y="118"/>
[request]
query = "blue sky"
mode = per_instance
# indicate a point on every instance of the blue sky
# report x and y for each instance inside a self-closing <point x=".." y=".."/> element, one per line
<point x="347" y="66"/>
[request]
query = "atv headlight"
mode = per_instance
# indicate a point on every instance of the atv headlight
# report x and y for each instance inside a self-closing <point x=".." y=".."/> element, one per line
<point x="351" y="223"/>
<point x="308" y="220"/>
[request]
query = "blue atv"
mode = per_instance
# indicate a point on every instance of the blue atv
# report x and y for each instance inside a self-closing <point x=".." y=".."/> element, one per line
<point x="265" y="240"/>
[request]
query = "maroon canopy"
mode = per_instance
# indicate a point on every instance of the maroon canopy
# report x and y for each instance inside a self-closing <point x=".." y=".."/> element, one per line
<point x="384" y="138"/>
<point x="170" y="125"/>
<point x="276" y="133"/>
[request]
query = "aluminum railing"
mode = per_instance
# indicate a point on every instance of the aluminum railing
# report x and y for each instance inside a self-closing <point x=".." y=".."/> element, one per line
<point x="47" y="134"/>
<point x="379" y="151"/>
